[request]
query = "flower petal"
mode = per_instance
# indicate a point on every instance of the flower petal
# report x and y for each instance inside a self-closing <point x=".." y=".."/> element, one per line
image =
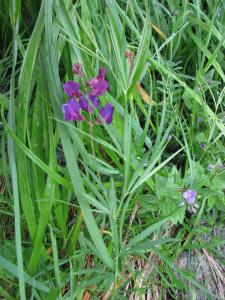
<point x="74" y="106"/>
<point x="67" y="113"/>
<point x="101" y="73"/>
<point x="99" y="88"/>
<point x="83" y="103"/>
<point x="190" y="196"/>
<point x="98" y="84"/>
<point x="94" y="100"/>
<point x="77" y="69"/>
<point x="71" y="111"/>
<point x="71" y="88"/>
<point x="107" y="113"/>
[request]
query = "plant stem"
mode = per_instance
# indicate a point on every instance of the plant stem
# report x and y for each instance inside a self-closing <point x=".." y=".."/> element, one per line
<point x="91" y="125"/>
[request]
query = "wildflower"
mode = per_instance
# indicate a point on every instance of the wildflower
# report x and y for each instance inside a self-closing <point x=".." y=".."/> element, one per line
<point x="84" y="104"/>
<point x="77" y="101"/>
<point x="77" y="69"/>
<point x="202" y="145"/>
<point x="71" y="88"/>
<point x="94" y="100"/>
<point x="200" y="120"/>
<point x="190" y="196"/>
<point x="98" y="84"/>
<point x="107" y="113"/>
<point x="71" y="111"/>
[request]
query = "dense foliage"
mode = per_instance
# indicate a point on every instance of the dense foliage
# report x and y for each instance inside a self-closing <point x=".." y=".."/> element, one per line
<point x="112" y="187"/>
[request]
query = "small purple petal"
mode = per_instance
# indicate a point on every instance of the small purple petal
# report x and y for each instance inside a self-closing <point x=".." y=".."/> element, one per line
<point x="67" y="113"/>
<point x="77" y="69"/>
<point x="93" y="81"/>
<point x="202" y="145"/>
<point x="98" y="84"/>
<point x="83" y="103"/>
<point x="74" y="106"/>
<point x="101" y="73"/>
<point x="107" y="113"/>
<point x="200" y="120"/>
<point x="94" y="100"/>
<point x="71" y="111"/>
<point x="190" y="196"/>
<point x="99" y="88"/>
<point x="71" y="88"/>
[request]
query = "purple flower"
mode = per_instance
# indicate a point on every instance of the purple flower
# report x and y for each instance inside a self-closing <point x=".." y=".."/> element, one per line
<point x="202" y="145"/>
<point x="71" y="88"/>
<point x="101" y="73"/>
<point x="99" y="88"/>
<point x="71" y="111"/>
<point x="200" y="120"/>
<point x="98" y="84"/>
<point x="84" y="104"/>
<point x="190" y="196"/>
<point x="77" y="69"/>
<point x="94" y="100"/>
<point x="77" y="101"/>
<point x="107" y="113"/>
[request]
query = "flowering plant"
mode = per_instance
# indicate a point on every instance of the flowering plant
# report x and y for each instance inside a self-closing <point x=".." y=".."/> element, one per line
<point x="79" y="102"/>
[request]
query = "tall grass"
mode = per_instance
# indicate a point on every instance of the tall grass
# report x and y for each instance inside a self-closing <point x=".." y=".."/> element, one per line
<point x="84" y="214"/>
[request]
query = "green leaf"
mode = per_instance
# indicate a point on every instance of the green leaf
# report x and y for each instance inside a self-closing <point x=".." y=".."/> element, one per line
<point x="150" y="171"/>
<point x="145" y="233"/>
<point x="141" y="56"/>
<point x="13" y="269"/>
<point x="148" y="246"/>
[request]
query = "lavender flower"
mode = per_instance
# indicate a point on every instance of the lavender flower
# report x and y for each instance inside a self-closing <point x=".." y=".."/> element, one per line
<point x="98" y="84"/>
<point x="107" y="113"/>
<point x="71" y="88"/>
<point x="71" y="111"/>
<point x="77" y="69"/>
<point x="94" y="100"/>
<point x="200" y="120"/>
<point x="202" y="145"/>
<point x="190" y="196"/>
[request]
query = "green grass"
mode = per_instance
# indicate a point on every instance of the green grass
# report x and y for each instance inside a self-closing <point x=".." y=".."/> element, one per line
<point x="96" y="214"/>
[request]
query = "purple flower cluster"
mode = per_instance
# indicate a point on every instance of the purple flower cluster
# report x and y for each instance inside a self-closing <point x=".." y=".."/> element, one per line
<point x="79" y="102"/>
